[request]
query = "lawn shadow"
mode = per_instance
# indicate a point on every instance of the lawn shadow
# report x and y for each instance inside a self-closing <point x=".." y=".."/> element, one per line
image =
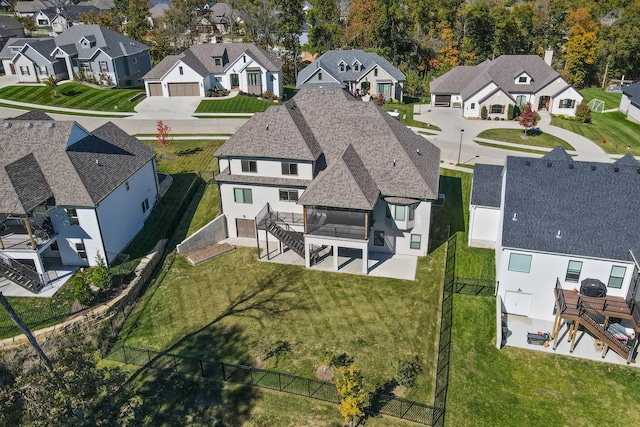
<point x="71" y="92"/>
<point x="448" y="219"/>
<point x="189" y="151"/>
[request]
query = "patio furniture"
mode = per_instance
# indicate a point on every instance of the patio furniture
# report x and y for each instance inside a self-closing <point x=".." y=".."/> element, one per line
<point x="537" y="338"/>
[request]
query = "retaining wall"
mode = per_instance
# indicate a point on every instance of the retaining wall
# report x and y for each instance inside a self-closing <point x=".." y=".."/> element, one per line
<point x="211" y="233"/>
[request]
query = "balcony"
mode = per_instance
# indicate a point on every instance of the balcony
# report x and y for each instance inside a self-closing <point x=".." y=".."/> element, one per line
<point x="337" y="223"/>
<point x="14" y="234"/>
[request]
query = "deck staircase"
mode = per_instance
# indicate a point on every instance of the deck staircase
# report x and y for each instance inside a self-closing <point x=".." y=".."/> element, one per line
<point x="20" y="274"/>
<point x="288" y="237"/>
<point x="594" y="322"/>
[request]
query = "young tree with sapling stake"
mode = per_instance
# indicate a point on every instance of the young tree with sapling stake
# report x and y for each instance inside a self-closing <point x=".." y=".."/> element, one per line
<point x="353" y="396"/>
<point x="52" y="82"/>
<point x="163" y="137"/>
<point x="528" y="118"/>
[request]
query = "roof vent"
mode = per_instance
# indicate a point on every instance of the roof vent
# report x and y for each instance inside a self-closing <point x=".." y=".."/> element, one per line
<point x="558" y="236"/>
<point x="593" y="167"/>
<point x="418" y="151"/>
<point x="267" y="128"/>
<point x="28" y="125"/>
<point x="548" y="164"/>
<point x="528" y="163"/>
<point x="394" y="162"/>
<point x="49" y="125"/>
<point x="6" y="125"/>
<point x="616" y="169"/>
<point x="515" y="216"/>
<point x="570" y="165"/>
<point x="98" y="162"/>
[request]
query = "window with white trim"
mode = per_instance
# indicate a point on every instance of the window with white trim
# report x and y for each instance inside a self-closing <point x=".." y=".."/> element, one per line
<point x="567" y="103"/>
<point x="289" y="168"/>
<point x="400" y="213"/>
<point x="497" y="109"/>
<point x="249" y="166"/>
<point x="522" y="79"/>
<point x="573" y="271"/>
<point x="24" y="70"/>
<point x="43" y="70"/>
<point x="378" y="238"/>
<point x="145" y="205"/>
<point x="520" y="263"/>
<point x="72" y="214"/>
<point x="415" y="241"/>
<point x="617" y="276"/>
<point x="242" y="195"/>
<point x="341" y="67"/>
<point x="104" y="67"/>
<point x="81" y="251"/>
<point x="288" y="195"/>
<point x="181" y="70"/>
<point x="521" y="100"/>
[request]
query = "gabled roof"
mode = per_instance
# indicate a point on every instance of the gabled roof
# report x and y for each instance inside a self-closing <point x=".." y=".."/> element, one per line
<point x="113" y="44"/>
<point x="487" y="185"/>
<point x="42" y="46"/>
<point x="400" y="163"/>
<point x="502" y="71"/>
<point x="100" y="4"/>
<point x="200" y="57"/>
<point x="9" y="23"/>
<point x="633" y="92"/>
<point x="36" y="163"/>
<point x="593" y="205"/>
<point x="329" y="62"/>
<point x="31" y="6"/>
<point x="346" y="183"/>
<point x="15" y="42"/>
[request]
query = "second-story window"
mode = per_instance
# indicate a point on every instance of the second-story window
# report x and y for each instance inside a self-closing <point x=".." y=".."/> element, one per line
<point x="249" y="166"/>
<point x="289" y="168"/>
<point x="375" y="72"/>
<point x="72" y="214"/>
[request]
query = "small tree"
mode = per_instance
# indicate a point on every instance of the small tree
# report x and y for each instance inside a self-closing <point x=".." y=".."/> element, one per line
<point x="353" y="396"/>
<point x="163" y="137"/>
<point x="528" y="118"/>
<point x="101" y="275"/>
<point x="483" y="112"/>
<point x="52" y="82"/>
<point x="583" y="113"/>
<point x="380" y="99"/>
<point x="510" y="112"/>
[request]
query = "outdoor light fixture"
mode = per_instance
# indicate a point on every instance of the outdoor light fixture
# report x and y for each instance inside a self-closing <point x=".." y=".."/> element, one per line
<point x="460" y="148"/>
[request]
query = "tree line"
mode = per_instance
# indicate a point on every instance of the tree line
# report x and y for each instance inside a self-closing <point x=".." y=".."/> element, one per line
<point x="592" y="40"/>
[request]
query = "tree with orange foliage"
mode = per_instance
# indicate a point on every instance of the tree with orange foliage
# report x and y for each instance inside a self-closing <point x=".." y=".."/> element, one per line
<point x="163" y="137"/>
<point x="528" y="118"/>
<point x="353" y="396"/>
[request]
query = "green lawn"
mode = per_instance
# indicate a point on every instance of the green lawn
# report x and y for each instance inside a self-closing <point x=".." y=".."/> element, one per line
<point x="406" y="110"/>
<point x="535" y="138"/>
<point x="74" y="95"/>
<point x="237" y="104"/>
<point x="516" y="387"/>
<point x="507" y="147"/>
<point x="611" y="99"/>
<point x="619" y="132"/>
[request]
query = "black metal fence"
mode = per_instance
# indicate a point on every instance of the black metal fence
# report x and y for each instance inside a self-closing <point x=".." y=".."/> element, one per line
<point x="240" y="374"/>
<point x="446" y="322"/>
<point x="476" y="287"/>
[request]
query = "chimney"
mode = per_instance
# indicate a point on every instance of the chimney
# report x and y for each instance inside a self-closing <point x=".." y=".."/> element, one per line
<point x="548" y="56"/>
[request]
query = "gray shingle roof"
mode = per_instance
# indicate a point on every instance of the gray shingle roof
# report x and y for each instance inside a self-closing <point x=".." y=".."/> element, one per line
<point x="71" y="174"/>
<point x="19" y="42"/>
<point x="633" y="92"/>
<point x="9" y="23"/>
<point x="593" y="205"/>
<point x="487" y="185"/>
<point x="33" y="115"/>
<point x="113" y="44"/>
<point x="401" y="163"/>
<point x="71" y="12"/>
<point x="346" y="183"/>
<point x="31" y="6"/>
<point x="200" y="57"/>
<point x="330" y="60"/>
<point x="502" y="71"/>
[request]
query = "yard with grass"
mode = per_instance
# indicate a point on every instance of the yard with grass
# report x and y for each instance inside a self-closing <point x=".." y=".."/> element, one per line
<point x="613" y="127"/>
<point x="237" y="104"/>
<point x="406" y="110"/>
<point x="535" y="138"/>
<point x="508" y="147"/>
<point x="611" y="99"/>
<point x="511" y="386"/>
<point x="74" y="95"/>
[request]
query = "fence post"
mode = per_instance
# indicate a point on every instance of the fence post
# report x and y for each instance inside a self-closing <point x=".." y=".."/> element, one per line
<point x="224" y="375"/>
<point x="201" y="368"/>
<point x="279" y="382"/>
<point x="149" y="355"/>
<point x="175" y="364"/>
<point x="251" y="374"/>
<point x="124" y="353"/>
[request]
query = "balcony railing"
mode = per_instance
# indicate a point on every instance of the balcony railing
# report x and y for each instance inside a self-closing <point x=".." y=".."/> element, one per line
<point x="14" y="235"/>
<point x="338" y="230"/>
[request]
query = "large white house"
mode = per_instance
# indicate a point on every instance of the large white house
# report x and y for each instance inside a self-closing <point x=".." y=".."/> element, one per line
<point x="68" y="195"/>
<point x="555" y="222"/>
<point x="507" y="80"/>
<point x="328" y="171"/>
<point x="356" y="70"/>
<point x="630" y="101"/>
<point x="202" y="67"/>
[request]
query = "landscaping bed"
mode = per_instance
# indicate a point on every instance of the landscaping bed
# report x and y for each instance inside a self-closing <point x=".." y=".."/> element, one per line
<point x="74" y="95"/>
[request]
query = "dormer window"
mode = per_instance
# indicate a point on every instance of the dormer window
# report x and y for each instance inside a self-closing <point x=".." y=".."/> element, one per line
<point x="217" y="61"/>
<point x="356" y="66"/>
<point x="522" y="79"/>
<point x="341" y="67"/>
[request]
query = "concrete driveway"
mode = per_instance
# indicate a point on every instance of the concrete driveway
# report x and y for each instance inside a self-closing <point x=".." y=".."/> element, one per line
<point x="166" y="108"/>
<point x="451" y="122"/>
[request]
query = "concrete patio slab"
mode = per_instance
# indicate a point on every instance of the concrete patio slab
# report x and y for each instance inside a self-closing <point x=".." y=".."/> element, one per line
<point x="58" y="276"/>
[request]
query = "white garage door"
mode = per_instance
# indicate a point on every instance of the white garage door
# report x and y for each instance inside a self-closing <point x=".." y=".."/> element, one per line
<point x="184" y="89"/>
<point x="517" y="303"/>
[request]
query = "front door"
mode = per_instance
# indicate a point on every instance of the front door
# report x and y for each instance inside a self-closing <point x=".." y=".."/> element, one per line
<point x="235" y="81"/>
<point x="246" y="228"/>
<point x="253" y="82"/>
<point x="517" y="303"/>
<point x="544" y="103"/>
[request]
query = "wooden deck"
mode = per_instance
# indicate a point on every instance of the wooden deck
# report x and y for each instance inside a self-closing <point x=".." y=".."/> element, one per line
<point x="607" y="306"/>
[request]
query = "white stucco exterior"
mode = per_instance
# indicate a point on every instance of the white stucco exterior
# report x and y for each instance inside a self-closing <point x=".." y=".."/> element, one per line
<point x="483" y="226"/>
<point x="632" y="111"/>
<point x="531" y="293"/>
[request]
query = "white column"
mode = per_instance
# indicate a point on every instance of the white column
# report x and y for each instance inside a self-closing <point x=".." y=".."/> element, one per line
<point x="335" y="258"/>
<point x="365" y="260"/>
<point x="307" y="255"/>
<point x="40" y="269"/>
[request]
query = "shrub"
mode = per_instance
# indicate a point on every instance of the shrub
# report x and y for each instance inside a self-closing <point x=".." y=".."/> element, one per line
<point x="483" y="112"/>
<point x="81" y="291"/>
<point x="380" y="99"/>
<point x="340" y="360"/>
<point x="583" y="113"/>
<point x="275" y="349"/>
<point x="406" y="371"/>
<point x="516" y="112"/>
<point x="510" y="112"/>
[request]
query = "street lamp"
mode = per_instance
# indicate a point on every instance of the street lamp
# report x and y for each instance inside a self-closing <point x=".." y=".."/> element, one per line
<point x="460" y="149"/>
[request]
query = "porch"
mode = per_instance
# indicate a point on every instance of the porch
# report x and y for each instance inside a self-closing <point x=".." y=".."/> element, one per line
<point x="16" y="235"/>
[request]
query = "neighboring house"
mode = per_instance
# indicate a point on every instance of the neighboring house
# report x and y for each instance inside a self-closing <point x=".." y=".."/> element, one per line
<point x="68" y="195"/>
<point x="31" y="8"/>
<point x="507" y="80"/>
<point x="6" y="6"/>
<point x="325" y="171"/>
<point x="61" y="18"/>
<point x="9" y="27"/>
<point x="359" y="71"/>
<point x="630" y="102"/>
<point x="90" y="49"/>
<point x="100" y="4"/>
<point x="202" y="67"/>
<point x="554" y="222"/>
